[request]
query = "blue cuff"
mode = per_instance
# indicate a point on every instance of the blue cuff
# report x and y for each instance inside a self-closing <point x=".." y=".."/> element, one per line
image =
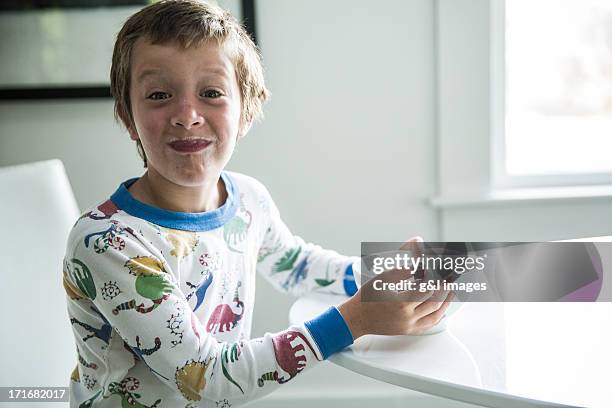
<point x="350" y="287"/>
<point x="330" y="332"/>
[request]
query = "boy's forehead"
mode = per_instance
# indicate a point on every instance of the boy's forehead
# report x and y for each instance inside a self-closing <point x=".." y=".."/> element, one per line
<point x="158" y="59"/>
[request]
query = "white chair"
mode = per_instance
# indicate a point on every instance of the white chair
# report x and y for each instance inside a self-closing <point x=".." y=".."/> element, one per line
<point x="37" y="210"/>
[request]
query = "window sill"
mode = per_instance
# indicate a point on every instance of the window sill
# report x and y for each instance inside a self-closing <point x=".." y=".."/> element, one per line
<point x="522" y="195"/>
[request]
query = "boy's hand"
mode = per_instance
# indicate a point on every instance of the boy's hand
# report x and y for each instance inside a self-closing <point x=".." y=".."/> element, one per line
<point x="408" y="312"/>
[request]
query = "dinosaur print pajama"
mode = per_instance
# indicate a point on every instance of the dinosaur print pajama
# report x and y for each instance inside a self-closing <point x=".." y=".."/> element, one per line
<point x="161" y="302"/>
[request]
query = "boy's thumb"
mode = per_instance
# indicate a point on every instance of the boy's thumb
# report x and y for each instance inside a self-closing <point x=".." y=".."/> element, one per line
<point x="414" y="245"/>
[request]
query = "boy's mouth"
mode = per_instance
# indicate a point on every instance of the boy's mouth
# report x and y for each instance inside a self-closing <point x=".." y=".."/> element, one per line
<point x="189" y="145"/>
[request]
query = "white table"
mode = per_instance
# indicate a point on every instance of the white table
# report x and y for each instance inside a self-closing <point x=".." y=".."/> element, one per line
<point x="493" y="354"/>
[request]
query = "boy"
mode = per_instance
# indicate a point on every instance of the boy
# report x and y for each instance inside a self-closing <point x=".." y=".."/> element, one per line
<point x="160" y="277"/>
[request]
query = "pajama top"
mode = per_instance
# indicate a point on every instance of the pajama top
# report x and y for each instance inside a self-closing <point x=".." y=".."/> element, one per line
<point x="161" y="302"/>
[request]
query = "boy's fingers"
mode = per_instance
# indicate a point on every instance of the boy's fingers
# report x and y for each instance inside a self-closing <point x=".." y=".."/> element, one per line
<point x="393" y="276"/>
<point x="415" y="297"/>
<point x="433" y="318"/>
<point x="431" y="305"/>
<point x="401" y="293"/>
<point x="416" y="247"/>
<point x="440" y="295"/>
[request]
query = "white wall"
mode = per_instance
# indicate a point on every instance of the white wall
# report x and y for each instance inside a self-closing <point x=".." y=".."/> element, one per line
<point x="347" y="145"/>
<point x="96" y="153"/>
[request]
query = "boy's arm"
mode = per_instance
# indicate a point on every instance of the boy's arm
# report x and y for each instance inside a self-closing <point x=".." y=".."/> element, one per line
<point x="199" y="368"/>
<point x="297" y="267"/>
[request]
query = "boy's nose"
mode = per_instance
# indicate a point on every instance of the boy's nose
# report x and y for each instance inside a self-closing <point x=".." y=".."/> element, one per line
<point x="187" y="116"/>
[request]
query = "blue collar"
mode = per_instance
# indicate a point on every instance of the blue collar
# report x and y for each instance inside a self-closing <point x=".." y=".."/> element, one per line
<point x="202" y="221"/>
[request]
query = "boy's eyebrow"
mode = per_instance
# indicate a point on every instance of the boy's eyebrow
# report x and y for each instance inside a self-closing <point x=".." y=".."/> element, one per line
<point x="146" y="73"/>
<point x="219" y="71"/>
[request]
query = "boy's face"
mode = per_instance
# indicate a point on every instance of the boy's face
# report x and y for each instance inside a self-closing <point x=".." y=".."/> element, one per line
<point x="186" y="109"/>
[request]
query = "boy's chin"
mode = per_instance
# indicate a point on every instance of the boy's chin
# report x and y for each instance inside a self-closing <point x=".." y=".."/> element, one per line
<point x="190" y="178"/>
<point x="196" y="180"/>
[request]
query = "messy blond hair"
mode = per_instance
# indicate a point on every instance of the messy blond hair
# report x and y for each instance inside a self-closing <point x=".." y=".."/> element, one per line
<point x="188" y="23"/>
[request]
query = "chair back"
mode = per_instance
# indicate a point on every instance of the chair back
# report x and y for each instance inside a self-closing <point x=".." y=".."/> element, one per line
<point x="37" y="211"/>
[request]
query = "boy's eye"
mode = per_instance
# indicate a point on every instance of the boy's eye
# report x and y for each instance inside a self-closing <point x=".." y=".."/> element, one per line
<point x="156" y="96"/>
<point x="211" y="93"/>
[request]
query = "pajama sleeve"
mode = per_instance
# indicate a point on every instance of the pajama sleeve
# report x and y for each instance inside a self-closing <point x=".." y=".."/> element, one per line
<point x="298" y="267"/>
<point x="199" y="368"/>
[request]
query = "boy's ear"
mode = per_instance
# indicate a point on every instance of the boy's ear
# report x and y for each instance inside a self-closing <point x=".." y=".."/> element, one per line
<point x="244" y="130"/>
<point x="133" y="133"/>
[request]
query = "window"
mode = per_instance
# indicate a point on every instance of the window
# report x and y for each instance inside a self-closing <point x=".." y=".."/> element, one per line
<point x="552" y="92"/>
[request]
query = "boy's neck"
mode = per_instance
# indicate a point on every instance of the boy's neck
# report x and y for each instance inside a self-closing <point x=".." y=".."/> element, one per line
<point x="155" y="190"/>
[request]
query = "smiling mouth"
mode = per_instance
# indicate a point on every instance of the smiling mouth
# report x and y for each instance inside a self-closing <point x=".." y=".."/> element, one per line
<point x="189" y="145"/>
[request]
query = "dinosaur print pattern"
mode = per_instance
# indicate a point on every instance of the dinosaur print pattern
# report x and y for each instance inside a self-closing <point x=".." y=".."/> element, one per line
<point x="288" y="260"/>
<point x="224" y="403"/>
<point x="174" y="323"/>
<point x="71" y="290"/>
<point x="191" y="379"/>
<point x="269" y="376"/>
<point x="210" y="262"/>
<point x="287" y="345"/>
<point x="297" y="274"/>
<point x="200" y="290"/>
<point x="89" y="403"/>
<point x="223" y="318"/>
<point x="150" y="284"/>
<point x="75" y="376"/>
<point x="110" y="237"/>
<point x="126" y="390"/>
<point x="107" y="209"/>
<point x="161" y="311"/>
<point x="183" y="242"/>
<point x="235" y="231"/>
<point x="271" y="247"/>
<point x="84" y="363"/>
<point x="146" y="352"/>
<point x="82" y="276"/>
<point x="230" y="354"/>
<point x="103" y="333"/>
<point x="326" y="281"/>
<point x="110" y="290"/>
<point x="89" y="381"/>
